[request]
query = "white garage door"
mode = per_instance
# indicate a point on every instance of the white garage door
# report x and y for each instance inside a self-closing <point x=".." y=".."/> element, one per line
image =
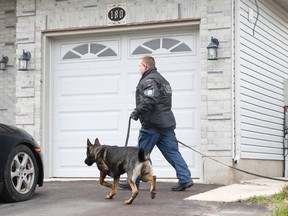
<point x="93" y="87"/>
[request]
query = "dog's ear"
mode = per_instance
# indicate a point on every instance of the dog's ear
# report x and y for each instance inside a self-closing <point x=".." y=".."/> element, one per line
<point x="89" y="144"/>
<point x="97" y="143"/>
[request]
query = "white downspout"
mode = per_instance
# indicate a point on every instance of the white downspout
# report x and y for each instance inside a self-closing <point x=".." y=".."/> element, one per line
<point x="235" y="77"/>
<point x="285" y="142"/>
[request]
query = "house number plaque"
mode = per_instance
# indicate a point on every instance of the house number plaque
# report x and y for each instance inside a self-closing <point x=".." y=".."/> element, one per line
<point x="116" y="14"/>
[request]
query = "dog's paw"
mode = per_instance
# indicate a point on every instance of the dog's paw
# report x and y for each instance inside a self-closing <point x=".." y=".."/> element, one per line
<point x="127" y="202"/>
<point x="153" y="195"/>
<point x="109" y="196"/>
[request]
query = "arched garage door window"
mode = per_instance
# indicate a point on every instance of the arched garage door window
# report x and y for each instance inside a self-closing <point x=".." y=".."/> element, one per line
<point x="95" y="49"/>
<point x="161" y="46"/>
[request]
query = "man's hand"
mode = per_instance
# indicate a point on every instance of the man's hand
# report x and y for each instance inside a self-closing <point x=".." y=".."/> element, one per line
<point x="134" y="115"/>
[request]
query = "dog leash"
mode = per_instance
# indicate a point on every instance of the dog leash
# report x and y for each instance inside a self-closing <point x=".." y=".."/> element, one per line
<point x="128" y="132"/>
<point x="232" y="167"/>
<point x="189" y="147"/>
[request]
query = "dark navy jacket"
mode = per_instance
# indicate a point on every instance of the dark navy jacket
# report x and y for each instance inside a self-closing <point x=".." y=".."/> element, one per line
<point x="154" y="100"/>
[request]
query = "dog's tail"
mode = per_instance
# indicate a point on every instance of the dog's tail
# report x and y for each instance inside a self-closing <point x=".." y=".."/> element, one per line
<point x="142" y="155"/>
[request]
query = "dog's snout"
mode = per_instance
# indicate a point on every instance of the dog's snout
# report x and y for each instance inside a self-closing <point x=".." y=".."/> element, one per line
<point x="88" y="162"/>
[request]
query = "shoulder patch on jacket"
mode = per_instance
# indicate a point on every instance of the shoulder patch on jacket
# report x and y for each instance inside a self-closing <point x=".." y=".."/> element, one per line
<point x="148" y="82"/>
<point x="168" y="88"/>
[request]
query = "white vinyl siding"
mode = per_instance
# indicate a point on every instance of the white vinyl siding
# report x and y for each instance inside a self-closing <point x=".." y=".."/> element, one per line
<point x="263" y="69"/>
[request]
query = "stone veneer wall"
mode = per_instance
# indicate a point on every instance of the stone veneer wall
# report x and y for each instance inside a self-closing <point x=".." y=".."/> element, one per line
<point x="7" y="48"/>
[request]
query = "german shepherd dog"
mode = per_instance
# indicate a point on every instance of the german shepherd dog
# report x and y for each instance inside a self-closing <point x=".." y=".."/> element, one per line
<point x="115" y="161"/>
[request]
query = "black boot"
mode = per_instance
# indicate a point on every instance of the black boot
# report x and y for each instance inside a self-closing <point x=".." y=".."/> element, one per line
<point x="182" y="186"/>
<point x="124" y="184"/>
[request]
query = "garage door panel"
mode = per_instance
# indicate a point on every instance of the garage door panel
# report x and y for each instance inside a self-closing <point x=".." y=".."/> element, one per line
<point x="179" y="63"/>
<point x="181" y="80"/>
<point x="90" y="102"/>
<point x="70" y="157"/>
<point x="90" y="172"/>
<point x="85" y="172"/>
<point x="188" y="138"/>
<point x="186" y="118"/>
<point x="86" y="69"/>
<point x="184" y="101"/>
<point x="191" y="158"/>
<point x="69" y="139"/>
<point x="133" y="79"/>
<point x="89" y="121"/>
<point x="97" y="85"/>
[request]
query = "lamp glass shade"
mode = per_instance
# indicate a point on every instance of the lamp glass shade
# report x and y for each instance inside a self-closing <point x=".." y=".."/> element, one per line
<point x="2" y="66"/>
<point x="23" y="65"/>
<point x="212" y="53"/>
<point x="3" y="62"/>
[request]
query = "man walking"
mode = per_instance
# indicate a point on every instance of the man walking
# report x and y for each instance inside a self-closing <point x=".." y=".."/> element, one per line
<point x="153" y="108"/>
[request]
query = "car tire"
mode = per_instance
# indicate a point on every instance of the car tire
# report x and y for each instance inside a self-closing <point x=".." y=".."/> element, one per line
<point x="20" y="175"/>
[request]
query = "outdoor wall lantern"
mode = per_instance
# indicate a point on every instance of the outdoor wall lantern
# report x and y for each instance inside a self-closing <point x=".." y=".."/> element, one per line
<point x="23" y="61"/>
<point x="212" y="49"/>
<point x="3" y="62"/>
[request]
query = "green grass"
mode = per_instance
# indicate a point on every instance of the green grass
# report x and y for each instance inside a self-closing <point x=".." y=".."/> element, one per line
<point x="278" y="203"/>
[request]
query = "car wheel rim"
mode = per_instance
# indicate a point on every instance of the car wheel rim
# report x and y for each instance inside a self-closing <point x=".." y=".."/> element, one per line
<point x="22" y="172"/>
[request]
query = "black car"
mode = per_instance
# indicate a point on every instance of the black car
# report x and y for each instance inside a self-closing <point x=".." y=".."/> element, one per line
<point x="21" y="165"/>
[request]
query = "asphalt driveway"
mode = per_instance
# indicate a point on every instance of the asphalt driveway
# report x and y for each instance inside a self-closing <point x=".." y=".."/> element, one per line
<point x="85" y="198"/>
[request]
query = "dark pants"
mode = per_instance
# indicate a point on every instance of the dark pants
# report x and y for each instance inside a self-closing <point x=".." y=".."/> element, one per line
<point x="149" y="137"/>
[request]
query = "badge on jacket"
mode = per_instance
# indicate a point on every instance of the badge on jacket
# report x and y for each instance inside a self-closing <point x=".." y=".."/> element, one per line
<point x="149" y="92"/>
